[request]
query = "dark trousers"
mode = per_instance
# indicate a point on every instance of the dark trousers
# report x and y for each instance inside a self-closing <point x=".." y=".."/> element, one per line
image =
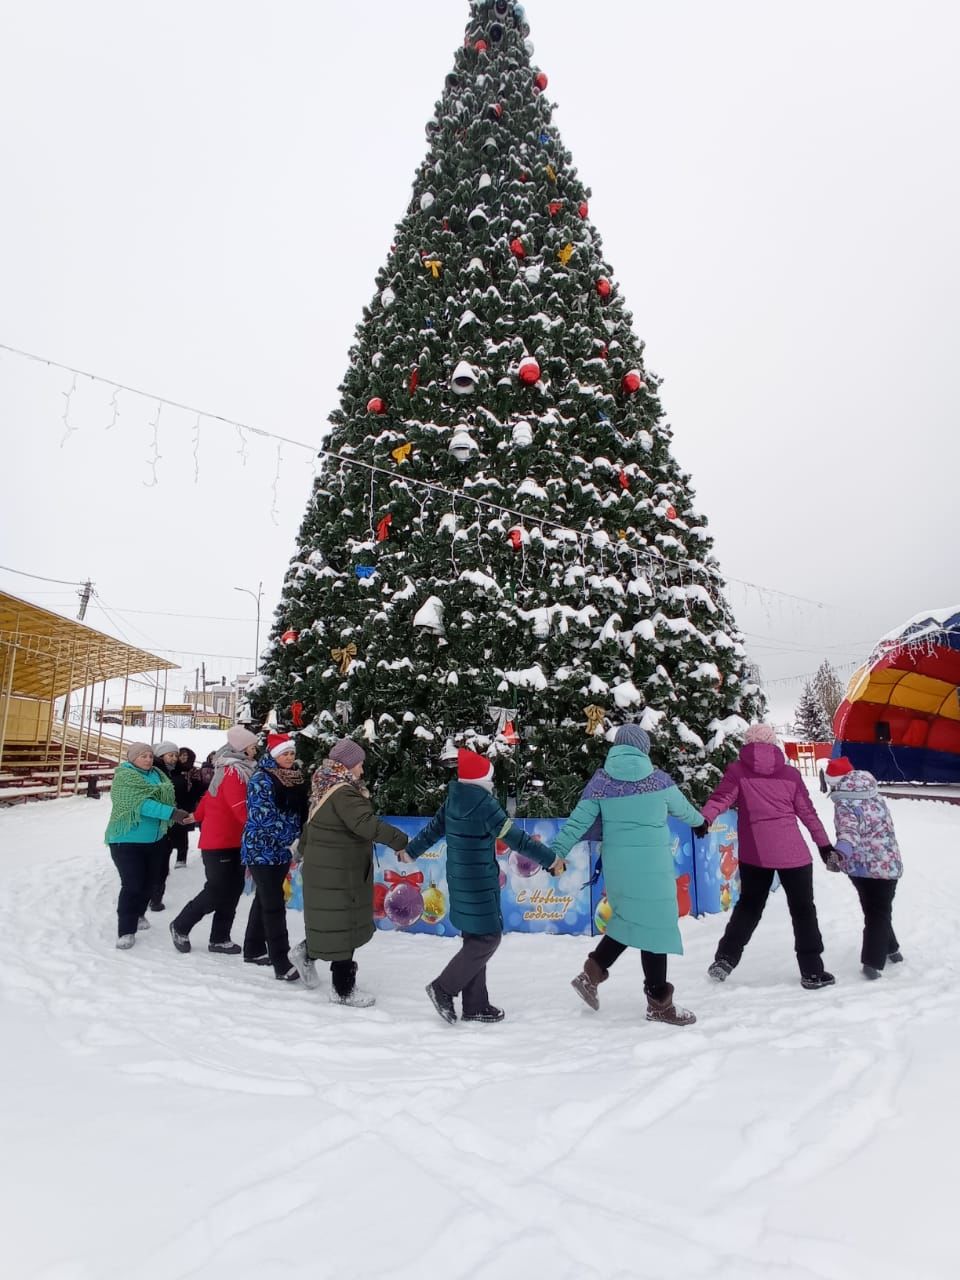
<point x="220" y="894"/>
<point x="160" y="869"/>
<point x="879" y="940"/>
<point x="755" y="885"/>
<point x="179" y="837"/>
<point x="467" y="971"/>
<point x="267" y="923"/>
<point x="138" y="866"/>
<point x="654" y="965"/>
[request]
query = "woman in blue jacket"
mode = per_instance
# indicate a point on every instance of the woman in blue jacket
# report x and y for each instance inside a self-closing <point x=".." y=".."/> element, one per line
<point x="632" y="800"/>
<point x="472" y="821"/>
<point x="142" y="807"/>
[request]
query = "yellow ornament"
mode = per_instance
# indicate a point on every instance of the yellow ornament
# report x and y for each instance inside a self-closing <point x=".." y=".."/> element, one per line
<point x="402" y="453"/>
<point x="622" y="535"/>
<point x="551" y="173"/>
<point x="434" y="905"/>
<point x="344" y="656"/>
<point x="434" y="265"/>
<point x="595" y="718"/>
<point x="565" y="254"/>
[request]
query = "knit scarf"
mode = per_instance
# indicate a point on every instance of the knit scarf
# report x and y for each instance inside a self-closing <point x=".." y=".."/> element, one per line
<point x="230" y="758"/>
<point x="130" y="787"/>
<point x="329" y="775"/>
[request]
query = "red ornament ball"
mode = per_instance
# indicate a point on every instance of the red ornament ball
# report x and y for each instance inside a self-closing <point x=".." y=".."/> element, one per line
<point x="516" y="539"/>
<point x="529" y="372"/>
<point x="517" y="249"/>
<point x="290" y="637"/>
<point x="632" y="382"/>
<point x="481" y="46"/>
<point x="523" y="175"/>
<point x="414" y="379"/>
<point x="376" y="405"/>
<point x="555" y="206"/>
<point x="624" y="480"/>
<point x="496" y="111"/>
<point x="604" y="287"/>
<point x="583" y="208"/>
<point x="541" y="81"/>
<point x="671" y="513"/>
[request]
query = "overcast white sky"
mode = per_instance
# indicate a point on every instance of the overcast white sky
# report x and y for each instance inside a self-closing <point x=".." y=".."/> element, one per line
<point x="197" y="196"/>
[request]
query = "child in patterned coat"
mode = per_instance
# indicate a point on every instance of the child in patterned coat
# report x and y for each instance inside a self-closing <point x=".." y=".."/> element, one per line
<point x="867" y="851"/>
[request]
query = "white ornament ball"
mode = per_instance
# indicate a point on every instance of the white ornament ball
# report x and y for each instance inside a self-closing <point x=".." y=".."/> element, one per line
<point x="387" y="299"/>
<point x="485" y="181"/>
<point x="528" y="45"/>
<point x="427" y="201"/>
<point x="523" y="435"/>
<point x="463" y="446"/>
<point x="476" y="264"/>
<point x="533" y="275"/>
<point x="464" y="380"/>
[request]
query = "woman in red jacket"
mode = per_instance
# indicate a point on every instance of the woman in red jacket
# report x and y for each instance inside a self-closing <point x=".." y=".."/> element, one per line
<point x="223" y="814"/>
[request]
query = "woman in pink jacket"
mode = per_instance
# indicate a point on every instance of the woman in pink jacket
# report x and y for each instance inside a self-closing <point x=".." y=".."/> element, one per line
<point x="769" y="796"/>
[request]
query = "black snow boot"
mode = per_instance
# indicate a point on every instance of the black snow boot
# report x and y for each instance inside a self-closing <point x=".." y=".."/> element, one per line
<point x="180" y="940"/>
<point x="870" y="972"/>
<point x="895" y="957"/>
<point x="814" y="981"/>
<point x="156" y="904"/>
<point x="490" y="1013"/>
<point x="720" y="970"/>
<point x="441" y="1002"/>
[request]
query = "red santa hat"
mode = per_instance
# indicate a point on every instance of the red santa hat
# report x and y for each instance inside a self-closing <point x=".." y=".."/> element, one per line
<point x="279" y="744"/>
<point x="838" y="767"/>
<point x="472" y="767"/>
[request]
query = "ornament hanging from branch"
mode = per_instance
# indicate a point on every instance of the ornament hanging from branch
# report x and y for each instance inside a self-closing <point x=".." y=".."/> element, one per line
<point x="551" y="173"/>
<point x="414" y="379"/>
<point x="595" y="718"/>
<point x="434" y="265"/>
<point x="383" y="527"/>
<point x="632" y="382"/>
<point x="541" y="81"/>
<point x="463" y="446"/>
<point x="429" y="616"/>
<point x="517" y="249"/>
<point x="376" y="405"/>
<point x="464" y="380"/>
<point x="604" y="287"/>
<point x="290" y="637"/>
<point x="529" y="371"/>
<point x="365" y="571"/>
<point x="565" y="254"/>
<point x="344" y="656"/>
<point x="402" y="453"/>
<point x="296" y="714"/>
<point x="583" y="209"/>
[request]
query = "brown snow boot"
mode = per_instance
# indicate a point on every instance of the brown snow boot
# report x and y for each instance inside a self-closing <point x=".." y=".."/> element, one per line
<point x="585" y="984"/>
<point x="664" y="1010"/>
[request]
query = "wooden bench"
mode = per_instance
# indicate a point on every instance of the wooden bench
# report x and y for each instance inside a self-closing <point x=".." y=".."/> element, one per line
<point x="11" y="795"/>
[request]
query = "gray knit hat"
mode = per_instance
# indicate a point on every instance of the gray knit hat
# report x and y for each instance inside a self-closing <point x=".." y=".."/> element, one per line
<point x="631" y="735"/>
<point x="348" y="753"/>
<point x="163" y="748"/>
<point x="135" y="749"/>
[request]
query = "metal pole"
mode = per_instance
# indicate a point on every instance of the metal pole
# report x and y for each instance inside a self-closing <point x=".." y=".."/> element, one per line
<point x="163" y="711"/>
<point x="156" y="695"/>
<point x="103" y="707"/>
<point x="53" y="705"/>
<point x="83" y="712"/>
<point x="66" y="703"/>
<point x="7" y="696"/>
<point x="123" y="712"/>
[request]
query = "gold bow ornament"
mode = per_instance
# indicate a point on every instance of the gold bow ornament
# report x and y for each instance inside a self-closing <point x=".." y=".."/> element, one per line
<point x="565" y="254"/>
<point x="344" y="656"/>
<point x="434" y="265"/>
<point x="402" y="453"/>
<point x="595" y="718"/>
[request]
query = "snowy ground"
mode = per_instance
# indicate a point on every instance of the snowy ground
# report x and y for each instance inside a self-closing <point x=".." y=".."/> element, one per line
<point x="169" y="1116"/>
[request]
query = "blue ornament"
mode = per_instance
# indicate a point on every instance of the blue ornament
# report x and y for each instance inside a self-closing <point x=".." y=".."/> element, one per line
<point x="365" y="571"/>
<point x="544" y="137"/>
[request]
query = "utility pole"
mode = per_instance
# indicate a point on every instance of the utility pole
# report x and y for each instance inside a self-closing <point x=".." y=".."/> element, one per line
<point x="85" y="595"/>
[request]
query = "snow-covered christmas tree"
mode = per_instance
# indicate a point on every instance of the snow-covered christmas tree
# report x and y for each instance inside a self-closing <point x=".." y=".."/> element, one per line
<point x="500" y="550"/>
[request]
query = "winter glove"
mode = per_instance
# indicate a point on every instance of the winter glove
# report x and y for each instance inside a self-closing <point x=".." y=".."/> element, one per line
<point x="702" y="831"/>
<point x="825" y="851"/>
<point x="182" y="817"/>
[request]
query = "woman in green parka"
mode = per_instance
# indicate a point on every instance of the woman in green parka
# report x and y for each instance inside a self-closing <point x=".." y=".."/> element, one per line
<point x="337" y="852"/>
<point x="632" y="800"/>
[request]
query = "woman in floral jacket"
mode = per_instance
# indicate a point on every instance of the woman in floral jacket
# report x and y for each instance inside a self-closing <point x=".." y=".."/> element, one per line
<point x="276" y="812"/>
<point x="867" y="851"/>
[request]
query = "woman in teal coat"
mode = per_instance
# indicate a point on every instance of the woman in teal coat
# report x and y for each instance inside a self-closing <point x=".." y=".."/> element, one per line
<point x="632" y="800"/>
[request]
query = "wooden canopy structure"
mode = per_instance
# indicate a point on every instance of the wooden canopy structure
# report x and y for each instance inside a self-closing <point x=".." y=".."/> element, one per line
<point x="44" y="657"/>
